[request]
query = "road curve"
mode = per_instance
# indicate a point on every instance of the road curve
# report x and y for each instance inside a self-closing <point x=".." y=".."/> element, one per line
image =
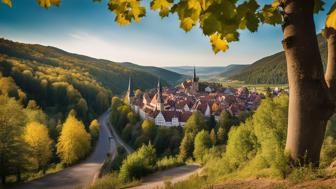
<point x="128" y="149"/>
<point x="173" y="175"/>
<point x="84" y="173"/>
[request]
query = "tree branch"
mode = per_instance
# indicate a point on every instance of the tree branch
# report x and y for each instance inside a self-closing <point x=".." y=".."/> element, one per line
<point x="330" y="75"/>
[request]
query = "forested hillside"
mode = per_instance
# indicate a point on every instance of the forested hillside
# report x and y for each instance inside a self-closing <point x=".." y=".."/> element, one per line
<point x="272" y="69"/>
<point x="111" y="75"/>
<point x="169" y="76"/>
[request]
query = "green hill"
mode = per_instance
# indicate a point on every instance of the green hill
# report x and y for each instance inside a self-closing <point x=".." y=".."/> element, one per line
<point x="272" y="69"/>
<point x="112" y="75"/>
<point x="232" y="69"/>
<point x="60" y="81"/>
<point x="169" y="76"/>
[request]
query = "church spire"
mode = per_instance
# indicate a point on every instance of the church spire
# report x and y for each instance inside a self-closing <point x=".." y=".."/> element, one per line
<point x="130" y="87"/>
<point x="194" y="74"/>
<point x="159" y="105"/>
<point x="130" y="91"/>
<point x="159" y="88"/>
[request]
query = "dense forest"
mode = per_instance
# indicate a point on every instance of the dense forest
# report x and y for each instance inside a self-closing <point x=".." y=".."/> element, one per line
<point x="111" y="75"/>
<point x="272" y="69"/>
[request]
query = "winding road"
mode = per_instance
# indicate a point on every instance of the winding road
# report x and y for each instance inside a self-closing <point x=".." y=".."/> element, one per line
<point x="173" y="175"/>
<point x="84" y="173"/>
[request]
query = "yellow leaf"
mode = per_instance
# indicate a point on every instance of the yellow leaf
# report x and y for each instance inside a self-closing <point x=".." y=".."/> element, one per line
<point x="187" y="24"/>
<point x="218" y="44"/>
<point x="7" y="2"/>
<point x="48" y="3"/>
<point x="331" y="18"/>
<point x="120" y="19"/>
<point x="275" y="4"/>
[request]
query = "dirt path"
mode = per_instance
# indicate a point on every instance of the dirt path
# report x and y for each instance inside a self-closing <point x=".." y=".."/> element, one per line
<point x="83" y="173"/>
<point x="173" y="175"/>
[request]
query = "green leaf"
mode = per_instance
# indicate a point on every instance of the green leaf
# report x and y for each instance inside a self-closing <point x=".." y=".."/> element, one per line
<point x="230" y="37"/>
<point x="252" y="22"/>
<point x="270" y="14"/>
<point x="210" y="24"/>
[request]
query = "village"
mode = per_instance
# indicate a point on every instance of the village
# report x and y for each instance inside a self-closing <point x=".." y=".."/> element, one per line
<point x="173" y="106"/>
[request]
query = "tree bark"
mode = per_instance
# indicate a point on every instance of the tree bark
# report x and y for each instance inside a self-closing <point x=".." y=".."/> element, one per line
<point x="309" y="102"/>
<point x="330" y="75"/>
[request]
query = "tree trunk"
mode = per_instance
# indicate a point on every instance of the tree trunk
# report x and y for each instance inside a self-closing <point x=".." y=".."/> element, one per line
<point x="309" y="103"/>
<point x="330" y="75"/>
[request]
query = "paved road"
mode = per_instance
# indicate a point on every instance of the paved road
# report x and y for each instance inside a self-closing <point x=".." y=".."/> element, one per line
<point x="118" y="139"/>
<point x="173" y="175"/>
<point x="84" y="173"/>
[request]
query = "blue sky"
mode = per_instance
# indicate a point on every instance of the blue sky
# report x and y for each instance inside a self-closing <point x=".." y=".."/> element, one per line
<point x="84" y="27"/>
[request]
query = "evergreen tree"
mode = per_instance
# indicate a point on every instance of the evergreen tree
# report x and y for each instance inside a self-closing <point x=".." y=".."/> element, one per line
<point x="187" y="146"/>
<point x="213" y="137"/>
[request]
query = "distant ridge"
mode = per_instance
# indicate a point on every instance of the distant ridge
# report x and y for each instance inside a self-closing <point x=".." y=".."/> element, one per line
<point x="206" y="71"/>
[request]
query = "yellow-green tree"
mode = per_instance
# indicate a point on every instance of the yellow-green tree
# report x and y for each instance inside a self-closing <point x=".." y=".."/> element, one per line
<point x="213" y="137"/>
<point x="221" y="137"/>
<point x="148" y="129"/>
<point x="39" y="145"/>
<point x="94" y="129"/>
<point x="12" y="146"/>
<point x="187" y="146"/>
<point x="74" y="142"/>
<point x="202" y="143"/>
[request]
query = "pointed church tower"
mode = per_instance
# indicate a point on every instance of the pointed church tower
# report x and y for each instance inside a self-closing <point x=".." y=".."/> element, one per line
<point x="130" y="92"/>
<point x="159" y="105"/>
<point x="195" y="81"/>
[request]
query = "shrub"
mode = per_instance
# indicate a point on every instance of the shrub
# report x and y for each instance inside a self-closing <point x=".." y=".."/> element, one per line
<point x="138" y="164"/>
<point x="168" y="162"/>
<point x="94" y="129"/>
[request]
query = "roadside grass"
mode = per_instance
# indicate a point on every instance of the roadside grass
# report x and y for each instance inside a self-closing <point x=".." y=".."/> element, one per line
<point x="29" y="176"/>
<point x="112" y="181"/>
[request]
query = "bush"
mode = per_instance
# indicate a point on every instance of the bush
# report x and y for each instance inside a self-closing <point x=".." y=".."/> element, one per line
<point x="328" y="152"/>
<point x="94" y="130"/>
<point x="256" y="147"/>
<point x="117" y="161"/>
<point x="168" y="162"/>
<point x="138" y="164"/>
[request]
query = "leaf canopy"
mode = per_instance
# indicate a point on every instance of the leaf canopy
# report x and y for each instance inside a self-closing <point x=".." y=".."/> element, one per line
<point x="220" y="20"/>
